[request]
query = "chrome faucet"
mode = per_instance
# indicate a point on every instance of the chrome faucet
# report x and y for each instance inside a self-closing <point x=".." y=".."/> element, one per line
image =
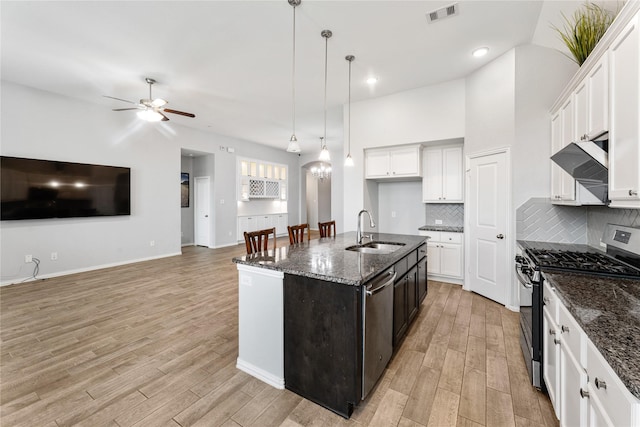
<point x="359" y="229"/>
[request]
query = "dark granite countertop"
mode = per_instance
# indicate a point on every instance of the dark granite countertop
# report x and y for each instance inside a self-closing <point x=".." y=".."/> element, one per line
<point x="327" y="259"/>
<point x="608" y="310"/>
<point x="449" y="228"/>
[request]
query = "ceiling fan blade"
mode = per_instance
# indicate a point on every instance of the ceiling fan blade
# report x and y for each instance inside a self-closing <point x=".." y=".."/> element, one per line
<point x="125" y="109"/>
<point x="182" y="113"/>
<point x="164" y="118"/>
<point x="120" y="99"/>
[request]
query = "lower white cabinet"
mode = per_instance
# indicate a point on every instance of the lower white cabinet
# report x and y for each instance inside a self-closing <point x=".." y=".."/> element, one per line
<point x="583" y="388"/>
<point x="444" y="256"/>
<point x="262" y="221"/>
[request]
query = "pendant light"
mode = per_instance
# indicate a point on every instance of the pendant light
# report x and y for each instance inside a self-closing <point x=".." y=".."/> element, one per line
<point x="349" y="160"/>
<point x="294" y="147"/>
<point x="324" y="152"/>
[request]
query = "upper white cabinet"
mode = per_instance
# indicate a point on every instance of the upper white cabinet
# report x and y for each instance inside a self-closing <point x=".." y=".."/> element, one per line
<point x="261" y="180"/>
<point x="624" y="135"/>
<point x="442" y="180"/>
<point x="393" y="162"/>
<point x="591" y="99"/>
<point x="563" y="186"/>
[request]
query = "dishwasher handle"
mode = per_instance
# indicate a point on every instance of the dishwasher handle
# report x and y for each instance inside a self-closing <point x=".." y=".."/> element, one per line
<point x="389" y="281"/>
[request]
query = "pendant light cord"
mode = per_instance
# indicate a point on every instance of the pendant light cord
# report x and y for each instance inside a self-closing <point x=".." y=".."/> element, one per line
<point x="349" y="132"/>
<point x="326" y="48"/>
<point x="293" y="72"/>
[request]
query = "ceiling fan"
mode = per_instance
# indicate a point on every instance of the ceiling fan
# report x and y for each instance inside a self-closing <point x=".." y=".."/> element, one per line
<point x="151" y="110"/>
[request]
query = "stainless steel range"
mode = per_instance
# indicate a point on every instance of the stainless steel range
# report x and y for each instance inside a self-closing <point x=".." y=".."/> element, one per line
<point x="622" y="259"/>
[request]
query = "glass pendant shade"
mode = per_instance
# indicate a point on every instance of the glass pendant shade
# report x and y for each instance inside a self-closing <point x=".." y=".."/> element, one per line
<point x="324" y="154"/>
<point x="349" y="160"/>
<point x="293" y="147"/>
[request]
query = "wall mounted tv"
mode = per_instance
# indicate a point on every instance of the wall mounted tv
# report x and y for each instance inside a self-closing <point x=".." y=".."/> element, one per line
<point x="37" y="189"/>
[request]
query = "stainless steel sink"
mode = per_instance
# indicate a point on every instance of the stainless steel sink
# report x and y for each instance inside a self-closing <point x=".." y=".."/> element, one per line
<point x="376" y="247"/>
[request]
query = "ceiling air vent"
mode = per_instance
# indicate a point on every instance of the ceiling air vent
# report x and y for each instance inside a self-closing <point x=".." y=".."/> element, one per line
<point x="445" y="12"/>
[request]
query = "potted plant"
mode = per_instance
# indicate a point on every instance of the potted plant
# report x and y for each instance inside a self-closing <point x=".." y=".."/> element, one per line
<point x="584" y="29"/>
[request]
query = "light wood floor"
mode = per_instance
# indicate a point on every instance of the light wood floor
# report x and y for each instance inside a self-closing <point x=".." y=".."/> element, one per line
<point x="155" y="344"/>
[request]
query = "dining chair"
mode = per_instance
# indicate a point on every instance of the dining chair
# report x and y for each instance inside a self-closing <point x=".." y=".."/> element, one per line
<point x="258" y="241"/>
<point x="296" y="233"/>
<point x="326" y="227"/>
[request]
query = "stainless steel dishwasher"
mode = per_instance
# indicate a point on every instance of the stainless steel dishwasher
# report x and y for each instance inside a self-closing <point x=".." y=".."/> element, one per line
<point x="377" y="318"/>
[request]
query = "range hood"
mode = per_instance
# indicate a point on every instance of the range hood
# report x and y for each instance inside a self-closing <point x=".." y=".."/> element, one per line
<point x="587" y="163"/>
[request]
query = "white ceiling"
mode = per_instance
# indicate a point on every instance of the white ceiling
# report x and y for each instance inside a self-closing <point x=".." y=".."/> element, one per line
<point x="230" y="62"/>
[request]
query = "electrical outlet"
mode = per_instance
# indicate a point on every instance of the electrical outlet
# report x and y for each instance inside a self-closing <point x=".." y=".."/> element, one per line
<point x="393" y="214"/>
<point x="229" y="233"/>
<point x="438" y="222"/>
<point x="54" y="256"/>
<point x="28" y="259"/>
<point x="222" y="201"/>
<point x="152" y="243"/>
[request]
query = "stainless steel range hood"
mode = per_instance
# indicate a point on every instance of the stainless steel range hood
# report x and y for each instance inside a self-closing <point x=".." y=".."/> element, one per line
<point x="587" y="162"/>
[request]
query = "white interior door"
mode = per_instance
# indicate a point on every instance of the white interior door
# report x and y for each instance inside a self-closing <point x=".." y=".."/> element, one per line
<point x="487" y="212"/>
<point x="202" y="206"/>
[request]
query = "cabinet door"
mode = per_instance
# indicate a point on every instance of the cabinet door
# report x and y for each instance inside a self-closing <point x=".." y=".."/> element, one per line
<point x="624" y="136"/>
<point x="422" y="280"/>
<point x="252" y="223"/>
<point x="433" y="255"/>
<point x="405" y="161"/>
<point x="568" y="191"/>
<point x="581" y="111"/>
<point x="376" y="163"/>
<point x="282" y="222"/>
<point x="413" y="301"/>
<point x="452" y="174"/>
<point x="556" y="144"/>
<point x="573" y="407"/>
<point x="551" y="358"/>
<point x="242" y="227"/>
<point x="596" y="415"/>
<point x="432" y="176"/>
<point x="598" y="103"/>
<point x="451" y="260"/>
<point x="399" y="310"/>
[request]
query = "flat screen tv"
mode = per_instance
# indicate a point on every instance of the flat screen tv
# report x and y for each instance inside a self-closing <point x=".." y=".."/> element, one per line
<point x="37" y="189"/>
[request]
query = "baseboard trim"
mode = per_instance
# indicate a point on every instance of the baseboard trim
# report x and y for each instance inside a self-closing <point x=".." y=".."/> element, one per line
<point x="84" y="270"/>
<point x="260" y="374"/>
<point x="445" y="279"/>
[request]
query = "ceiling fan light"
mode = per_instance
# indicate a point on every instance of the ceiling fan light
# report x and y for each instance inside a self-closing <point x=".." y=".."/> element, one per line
<point x="149" y="115"/>
<point x="159" y="102"/>
<point x="348" y="161"/>
<point x="480" y="52"/>
<point x="293" y="147"/>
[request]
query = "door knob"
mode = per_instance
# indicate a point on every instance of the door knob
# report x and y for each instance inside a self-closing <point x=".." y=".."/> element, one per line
<point x="500" y="236"/>
<point x="206" y="216"/>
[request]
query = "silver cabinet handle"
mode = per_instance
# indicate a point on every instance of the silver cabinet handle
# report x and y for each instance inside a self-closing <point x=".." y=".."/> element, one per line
<point x="600" y="384"/>
<point x="552" y="331"/>
<point x="545" y="300"/>
<point x="633" y="193"/>
<point x="565" y="328"/>
<point x="500" y="236"/>
<point x="583" y="393"/>
<point x="556" y="341"/>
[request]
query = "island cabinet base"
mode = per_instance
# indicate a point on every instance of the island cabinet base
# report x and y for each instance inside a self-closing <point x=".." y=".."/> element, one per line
<point x="323" y="342"/>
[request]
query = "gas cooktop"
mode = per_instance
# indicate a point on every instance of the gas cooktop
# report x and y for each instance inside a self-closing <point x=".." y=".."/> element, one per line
<point x="581" y="262"/>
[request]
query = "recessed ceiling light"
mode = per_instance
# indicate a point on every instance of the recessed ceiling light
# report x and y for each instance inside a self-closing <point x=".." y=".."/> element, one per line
<point x="372" y="80"/>
<point x="479" y="52"/>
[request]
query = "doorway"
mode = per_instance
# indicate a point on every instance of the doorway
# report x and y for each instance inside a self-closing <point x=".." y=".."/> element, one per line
<point x="318" y="195"/>
<point x="487" y="218"/>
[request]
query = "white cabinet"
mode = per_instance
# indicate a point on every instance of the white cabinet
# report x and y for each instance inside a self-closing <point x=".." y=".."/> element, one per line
<point x="583" y="389"/>
<point x="262" y="221"/>
<point x="563" y="186"/>
<point x="261" y="180"/>
<point x="444" y="256"/>
<point x="624" y="135"/>
<point x="442" y="180"/>
<point x="591" y="99"/>
<point x="393" y="162"/>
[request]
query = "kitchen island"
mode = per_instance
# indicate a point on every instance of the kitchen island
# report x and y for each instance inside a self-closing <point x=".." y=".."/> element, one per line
<point x="307" y="313"/>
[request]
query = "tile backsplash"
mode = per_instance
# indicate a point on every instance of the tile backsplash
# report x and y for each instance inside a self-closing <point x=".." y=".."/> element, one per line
<point x="539" y="220"/>
<point x="451" y="214"/>
<point x="599" y="216"/>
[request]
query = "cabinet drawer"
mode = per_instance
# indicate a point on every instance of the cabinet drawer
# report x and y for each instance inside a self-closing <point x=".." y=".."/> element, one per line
<point x="571" y="335"/>
<point x="616" y="400"/>
<point x="448" y="237"/>
<point x="433" y="235"/>
<point x="550" y="301"/>
<point x="401" y="268"/>
<point x="412" y="259"/>
<point x="422" y="251"/>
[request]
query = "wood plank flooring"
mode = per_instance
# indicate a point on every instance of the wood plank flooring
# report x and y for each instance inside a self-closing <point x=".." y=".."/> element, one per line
<point x="155" y="344"/>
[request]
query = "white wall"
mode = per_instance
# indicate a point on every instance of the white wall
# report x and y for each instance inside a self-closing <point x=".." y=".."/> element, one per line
<point x="76" y="131"/>
<point x="420" y="115"/>
<point x="400" y="207"/>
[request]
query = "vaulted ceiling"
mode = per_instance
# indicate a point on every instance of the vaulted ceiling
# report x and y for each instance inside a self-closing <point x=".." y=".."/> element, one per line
<point x="230" y="62"/>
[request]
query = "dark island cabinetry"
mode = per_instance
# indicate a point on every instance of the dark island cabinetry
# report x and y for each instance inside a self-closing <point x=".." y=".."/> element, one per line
<point x="409" y="290"/>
